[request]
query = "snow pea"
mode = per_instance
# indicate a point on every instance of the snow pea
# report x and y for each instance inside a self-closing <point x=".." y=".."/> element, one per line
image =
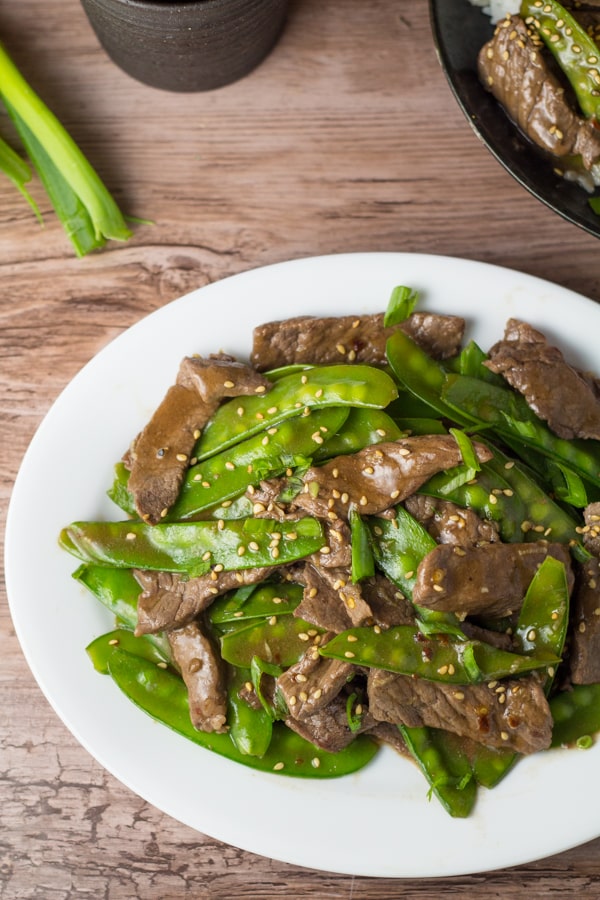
<point x="101" y="648"/>
<point x="264" y="455"/>
<point x="398" y="546"/>
<point x="421" y="376"/>
<point x="257" y="601"/>
<point x="405" y="650"/>
<point x="576" y="714"/>
<point x="509" y="414"/>
<point x="193" y="547"/>
<point x="362" y="428"/>
<point x="362" y="561"/>
<point x="250" y="729"/>
<point x="163" y="695"/>
<point x="323" y="386"/>
<point x="569" y="43"/>
<point x="275" y="640"/>
<point x="445" y="766"/>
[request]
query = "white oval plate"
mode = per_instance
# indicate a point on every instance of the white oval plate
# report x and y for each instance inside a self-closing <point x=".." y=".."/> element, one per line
<point x="379" y="821"/>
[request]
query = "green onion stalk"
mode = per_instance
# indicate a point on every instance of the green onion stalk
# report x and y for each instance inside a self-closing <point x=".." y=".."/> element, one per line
<point x="83" y="204"/>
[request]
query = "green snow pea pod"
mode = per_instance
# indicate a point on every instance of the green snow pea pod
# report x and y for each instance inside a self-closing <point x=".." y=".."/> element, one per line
<point x="445" y="766"/>
<point x="508" y="413"/>
<point x="362" y="428"/>
<point x="281" y="641"/>
<point x="251" y="729"/>
<point x="193" y="547"/>
<point x="576" y="714"/>
<point x="407" y="651"/>
<point x="163" y="695"/>
<point x="262" y="601"/>
<point x="575" y="51"/>
<point x="398" y="546"/>
<point x="238" y="419"/>
<point x="421" y="376"/>
<point x="264" y="455"/>
<point x="362" y="560"/>
<point x="101" y="648"/>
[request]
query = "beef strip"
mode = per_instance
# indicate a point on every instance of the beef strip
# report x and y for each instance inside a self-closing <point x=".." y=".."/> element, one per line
<point x="202" y="670"/>
<point x="344" y="339"/>
<point x="169" y="600"/>
<point x="379" y="476"/>
<point x="521" y="721"/>
<point x="490" y="579"/>
<point x="388" y="605"/>
<point x="584" y="646"/>
<point x="557" y="393"/>
<point x="330" y="600"/>
<point x="448" y="523"/>
<point x="328" y="728"/>
<point x="336" y="553"/>
<point x="159" y="455"/>
<point x="313" y="682"/>
<point x="521" y="77"/>
<point x="591" y="532"/>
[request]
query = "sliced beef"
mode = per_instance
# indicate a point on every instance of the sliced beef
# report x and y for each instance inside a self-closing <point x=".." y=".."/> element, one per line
<point x="584" y="647"/>
<point x="514" y="67"/>
<point x="556" y="392"/>
<point x="448" y="523"/>
<point x="330" y="600"/>
<point x="328" y="728"/>
<point x="312" y="683"/>
<point x="500" y="639"/>
<point x="336" y="553"/>
<point x="344" y="339"/>
<point x="490" y="579"/>
<point x="591" y="532"/>
<point x="517" y="717"/>
<point x="379" y="476"/>
<point x="160" y="454"/>
<point x="388" y="605"/>
<point x="202" y="670"/>
<point x="169" y="600"/>
<point x="389" y="734"/>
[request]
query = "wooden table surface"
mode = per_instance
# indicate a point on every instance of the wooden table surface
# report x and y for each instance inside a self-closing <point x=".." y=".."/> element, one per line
<point x="345" y="139"/>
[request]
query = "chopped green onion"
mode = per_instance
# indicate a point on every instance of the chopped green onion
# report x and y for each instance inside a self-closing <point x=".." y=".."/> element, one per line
<point x="19" y="173"/>
<point x="400" y="305"/>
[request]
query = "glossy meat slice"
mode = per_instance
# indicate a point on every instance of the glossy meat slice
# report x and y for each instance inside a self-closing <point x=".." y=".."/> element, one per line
<point x="448" y="523"/>
<point x="347" y="339"/>
<point x="312" y="683"/>
<point x="584" y="645"/>
<point x="491" y="579"/>
<point x="513" y="66"/>
<point x="516" y="717"/>
<point x="330" y="600"/>
<point x="202" y="670"/>
<point x="159" y="456"/>
<point x="169" y="600"/>
<point x="379" y="476"/>
<point x="558" y="393"/>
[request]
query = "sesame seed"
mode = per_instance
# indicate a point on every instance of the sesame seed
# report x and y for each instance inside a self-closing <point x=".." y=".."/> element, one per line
<point x="240" y="410"/>
<point x="352" y="638"/>
<point x="303" y="696"/>
<point x="229" y="465"/>
<point x="163" y="512"/>
<point x="531" y="635"/>
<point x="349" y="654"/>
<point x="443" y="670"/>
<point x="260" y="389"/>
<point x="130" y="536"/>
<point x="315" y="762"/>
<point x="279" y="765"/>
<point x="340" y="349"/>
<point x="272" y="410"/>
<point x="228" y="384"/>
<point x="241" y="550"/>
<point x="292" y="701"/>
<point x="113" y="642"/>
<point x="504" y="735"/>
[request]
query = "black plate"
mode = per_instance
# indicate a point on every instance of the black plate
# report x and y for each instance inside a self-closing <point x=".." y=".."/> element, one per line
<point x="460" y="30"/>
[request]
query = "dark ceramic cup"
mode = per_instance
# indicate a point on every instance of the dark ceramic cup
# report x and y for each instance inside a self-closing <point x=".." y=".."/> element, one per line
<point x="190" y="45"/>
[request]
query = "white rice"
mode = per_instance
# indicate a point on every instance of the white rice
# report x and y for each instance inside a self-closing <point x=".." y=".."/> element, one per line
<point x="497" y="9"/>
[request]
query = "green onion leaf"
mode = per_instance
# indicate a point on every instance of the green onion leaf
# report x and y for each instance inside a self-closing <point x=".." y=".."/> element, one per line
<point x="400" y="305"/>
<point x="19" y="173"/>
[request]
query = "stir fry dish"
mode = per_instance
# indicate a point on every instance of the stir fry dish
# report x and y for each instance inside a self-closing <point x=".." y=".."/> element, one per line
<point x="375" y="532"/>
<point x="543" y="66"/>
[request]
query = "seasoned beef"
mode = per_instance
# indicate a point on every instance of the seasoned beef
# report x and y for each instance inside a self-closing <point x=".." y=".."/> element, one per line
<point x="330" y="600"/>
<point x="490" y="579"/>
<point x="448" y="523"/>
<point x="516" y="71"/>
<point x="347" y="339"/>
<point x="389" y="734"/>
<point x="159" y="456"/>
<point x="517" y="718"/>
<point x="388" y="606"/>
<point x="379" y="476"/>
<point x="169" y="600"/>
<point x="500" y="639"/>
<point x="557" y="392"/>
<point x="336" y="553"/>
<point x="312" y="683"/>
<point x="202" y="670"/>
<point x="328" y="728"/>
<point x="584" y="648"/>
<point x="591" y="533"/>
